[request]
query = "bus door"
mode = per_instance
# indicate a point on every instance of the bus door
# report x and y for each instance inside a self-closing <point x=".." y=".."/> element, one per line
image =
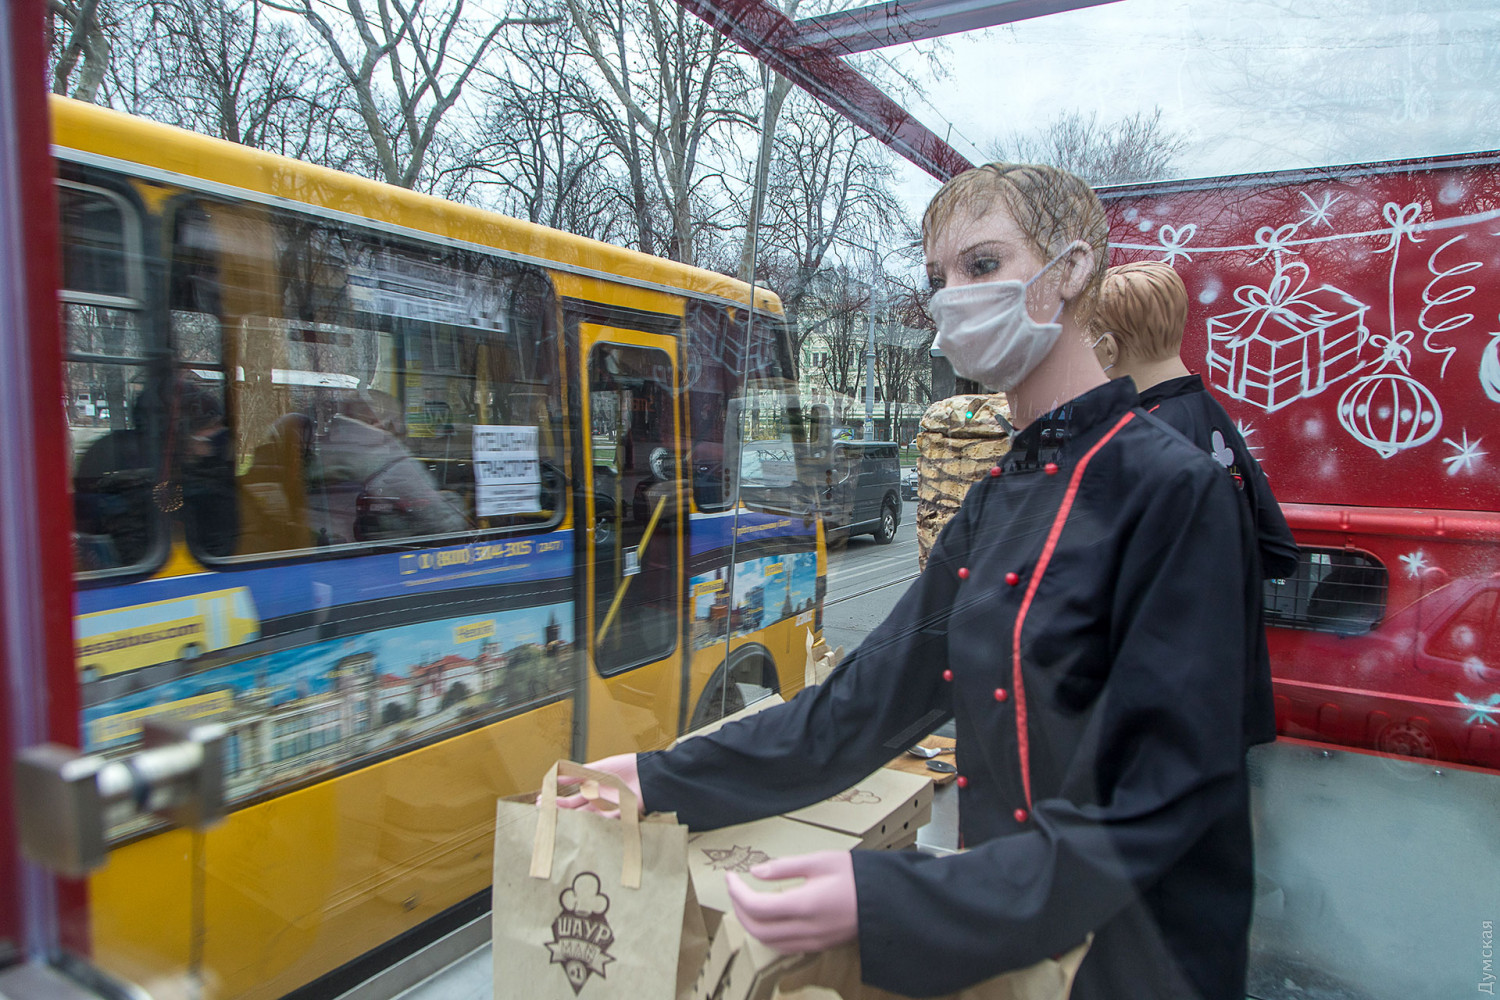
<point x="634" y="507"/>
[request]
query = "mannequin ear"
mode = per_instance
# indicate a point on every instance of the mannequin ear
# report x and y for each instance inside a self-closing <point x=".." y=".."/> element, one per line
<point x="1078" y="268"/>
<point x="1107" y="350"/>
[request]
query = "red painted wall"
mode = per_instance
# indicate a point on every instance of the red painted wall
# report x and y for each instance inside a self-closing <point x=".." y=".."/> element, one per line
<point x="1372" y="296"/>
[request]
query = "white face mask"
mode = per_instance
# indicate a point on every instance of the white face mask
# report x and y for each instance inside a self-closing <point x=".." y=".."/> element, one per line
<point x="987" y="334"/>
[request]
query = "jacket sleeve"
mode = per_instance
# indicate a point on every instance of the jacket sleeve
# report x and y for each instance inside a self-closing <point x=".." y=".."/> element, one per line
<point x="884" y="698"/>
<point x="1159" y="762"/>
<point x="1278" y="550"/>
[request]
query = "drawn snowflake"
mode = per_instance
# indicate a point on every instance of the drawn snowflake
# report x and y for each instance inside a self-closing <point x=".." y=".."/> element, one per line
<point x="1483" y="712"/>
<point x="1245" y="431"/>
<point x="1416" y="563"/>
<point x="1319" y="213"/>
<point x="735" y="859"/>
<point x="1466" y="454"/>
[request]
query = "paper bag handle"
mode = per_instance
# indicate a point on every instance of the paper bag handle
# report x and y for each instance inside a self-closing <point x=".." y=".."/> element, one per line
<point x="546" y="822"/>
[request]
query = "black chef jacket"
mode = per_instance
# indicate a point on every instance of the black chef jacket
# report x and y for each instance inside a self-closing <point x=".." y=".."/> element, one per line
<point x="1107" y="552"/>
<point x="1186" y="406"/>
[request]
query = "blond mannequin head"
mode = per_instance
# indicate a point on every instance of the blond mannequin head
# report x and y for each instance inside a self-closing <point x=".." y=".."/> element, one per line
<point x="1140" y="316"/>
<point x="1051" y="207"/>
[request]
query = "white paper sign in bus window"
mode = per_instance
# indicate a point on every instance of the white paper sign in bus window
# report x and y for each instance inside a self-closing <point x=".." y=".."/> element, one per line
<point x="507" y="470"/>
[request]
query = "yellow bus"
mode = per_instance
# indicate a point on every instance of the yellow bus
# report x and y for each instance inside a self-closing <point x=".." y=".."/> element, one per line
<point x="414" y="499"/>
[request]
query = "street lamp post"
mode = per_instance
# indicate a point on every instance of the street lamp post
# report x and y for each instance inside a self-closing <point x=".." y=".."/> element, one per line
<point x="879" y="276"/>
<point x="870" y="347"/>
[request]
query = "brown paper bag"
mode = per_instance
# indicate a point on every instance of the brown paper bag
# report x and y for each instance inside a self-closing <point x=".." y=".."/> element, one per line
<point x="741" y="968"/>
<point x="592" y="907"/>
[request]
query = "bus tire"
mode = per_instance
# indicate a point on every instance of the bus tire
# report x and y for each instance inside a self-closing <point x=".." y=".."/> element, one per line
<point x="724" y="693"/>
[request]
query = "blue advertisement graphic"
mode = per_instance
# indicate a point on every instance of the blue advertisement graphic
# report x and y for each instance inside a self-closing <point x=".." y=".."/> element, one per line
<point x="766" y="590"/>
<point x="298" y="712"/>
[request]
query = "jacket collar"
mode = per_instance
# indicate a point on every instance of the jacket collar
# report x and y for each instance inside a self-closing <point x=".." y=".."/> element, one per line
<point x="1046" y="436"/>
<point x="1170" y="389"/>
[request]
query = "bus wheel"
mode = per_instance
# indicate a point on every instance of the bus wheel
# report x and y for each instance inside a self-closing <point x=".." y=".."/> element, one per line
<point x="749" y="678"/>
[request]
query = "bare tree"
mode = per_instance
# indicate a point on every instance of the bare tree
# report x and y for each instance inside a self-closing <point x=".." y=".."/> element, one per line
<point x="833" y="323"/>
<point x="903" y="365"/>
<point x="224" y="68"/>
<point x="407" y="66"/>
<point x="542" y="149"/>
<point x="830" y="182"/>
<point x="80" y="33"/>
<point x="674" y="86"/>
<point x="1137" y="147"/>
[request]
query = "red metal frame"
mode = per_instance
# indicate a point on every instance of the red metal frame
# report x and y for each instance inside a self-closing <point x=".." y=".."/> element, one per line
<point x="899" y="21"/>
<point x="770" y="36"/>
<point x="31" y="147"/>
<point x="810" y="53"/>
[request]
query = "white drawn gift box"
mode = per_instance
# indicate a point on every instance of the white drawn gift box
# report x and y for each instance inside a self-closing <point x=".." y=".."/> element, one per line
<point x="883" y="811"/>
<point x="1287" y="343"/>
<point x="714" y="853"/>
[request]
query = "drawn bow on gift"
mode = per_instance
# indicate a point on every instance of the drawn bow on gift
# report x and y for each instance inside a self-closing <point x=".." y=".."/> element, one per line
<point x="1278" y="299"/>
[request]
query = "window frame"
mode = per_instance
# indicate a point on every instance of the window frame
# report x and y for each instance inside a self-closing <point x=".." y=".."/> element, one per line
<point x="375" y="235"/>
<point x="1303" y="621"/>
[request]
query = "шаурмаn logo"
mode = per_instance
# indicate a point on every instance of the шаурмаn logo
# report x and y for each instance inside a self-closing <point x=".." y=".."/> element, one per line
<point x="580" y="935"/>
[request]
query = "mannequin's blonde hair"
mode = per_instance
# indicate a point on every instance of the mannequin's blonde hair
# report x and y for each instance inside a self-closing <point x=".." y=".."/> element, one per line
<point x="1050" y="206"/>
<point x="1145" y="306"/>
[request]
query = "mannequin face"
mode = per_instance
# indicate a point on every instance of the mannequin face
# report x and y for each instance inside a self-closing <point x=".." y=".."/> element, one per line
<point x="972" y="249"/>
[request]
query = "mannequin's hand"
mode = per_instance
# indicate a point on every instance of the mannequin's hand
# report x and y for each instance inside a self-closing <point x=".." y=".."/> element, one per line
<point x="622" y="765"/>
<point x="820" y="913"/>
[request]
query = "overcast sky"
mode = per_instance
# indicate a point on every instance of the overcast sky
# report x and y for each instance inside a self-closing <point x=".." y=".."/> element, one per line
<point x="1252" y="84"/>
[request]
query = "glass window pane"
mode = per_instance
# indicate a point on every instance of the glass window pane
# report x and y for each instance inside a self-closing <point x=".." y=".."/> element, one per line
<point x="115" y="465"/>
<point x="377" y="391"/>
<point x="635" y="504"/>
<point x="96" y="250"/>
<point x="103" y="332"/>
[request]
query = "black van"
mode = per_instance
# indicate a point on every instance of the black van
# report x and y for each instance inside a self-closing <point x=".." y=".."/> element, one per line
<point x="866" y="494"/>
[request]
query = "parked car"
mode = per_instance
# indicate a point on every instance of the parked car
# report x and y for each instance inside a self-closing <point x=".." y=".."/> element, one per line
<point x="1421" y="682"/>
<point x="864" y="495"/>
<point x="909" y="484"/>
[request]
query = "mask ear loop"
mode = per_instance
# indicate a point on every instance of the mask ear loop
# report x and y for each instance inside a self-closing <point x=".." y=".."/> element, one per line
<point x="1062" y="303"/>
<point x="1095" y="345"/>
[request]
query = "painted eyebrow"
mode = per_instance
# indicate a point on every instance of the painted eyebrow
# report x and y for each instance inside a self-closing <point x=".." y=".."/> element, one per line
<point x="980" y="246"/>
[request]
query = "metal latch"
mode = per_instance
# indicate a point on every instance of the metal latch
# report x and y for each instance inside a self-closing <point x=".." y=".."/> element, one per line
<point x="67" y="801"/>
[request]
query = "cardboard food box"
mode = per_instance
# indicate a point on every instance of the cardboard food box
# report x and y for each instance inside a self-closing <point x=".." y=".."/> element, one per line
<point x="768" y="701"/>
<point x="883" y="810"/>
<point x="737" y="849"/>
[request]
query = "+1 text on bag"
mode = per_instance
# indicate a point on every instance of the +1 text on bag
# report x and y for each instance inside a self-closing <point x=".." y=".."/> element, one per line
<point x="592" y="907"/>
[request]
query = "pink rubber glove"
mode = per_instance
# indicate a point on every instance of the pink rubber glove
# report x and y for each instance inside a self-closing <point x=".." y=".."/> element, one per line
<point x="622" y="765"/>
<point x="820" y="913"/>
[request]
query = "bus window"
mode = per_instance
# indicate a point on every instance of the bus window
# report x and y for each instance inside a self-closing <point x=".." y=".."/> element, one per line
<point x="721" y="365"/>
<point x="378" y="391"/>
<point x="634" y="460"/>
<point x="114" y="460"/>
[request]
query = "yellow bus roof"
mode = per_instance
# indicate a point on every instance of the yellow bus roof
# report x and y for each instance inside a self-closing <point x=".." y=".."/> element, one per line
<point x="102" y="132"/>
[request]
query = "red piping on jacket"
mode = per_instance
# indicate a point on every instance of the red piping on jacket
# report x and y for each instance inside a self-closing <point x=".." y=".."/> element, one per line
<point x="1017" y="681"/>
